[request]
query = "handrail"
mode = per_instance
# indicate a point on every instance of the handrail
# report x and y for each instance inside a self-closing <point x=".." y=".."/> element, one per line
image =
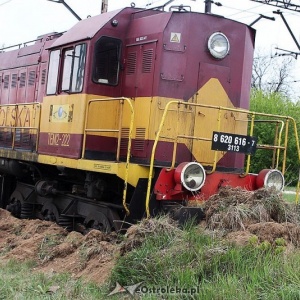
<point x="153" y="153"/>
<point x="86" y="130"/>
<point x="263" y="146"/>
<point x="277" y="147"/>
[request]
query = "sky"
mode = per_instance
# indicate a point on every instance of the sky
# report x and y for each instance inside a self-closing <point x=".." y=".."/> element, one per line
<point x="25" y="20"/>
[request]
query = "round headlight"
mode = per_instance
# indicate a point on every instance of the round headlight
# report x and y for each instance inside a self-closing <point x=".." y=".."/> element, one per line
<point x="218" y="45"/>
<point x="192" y="175"/>
<point x="270" y="179"/>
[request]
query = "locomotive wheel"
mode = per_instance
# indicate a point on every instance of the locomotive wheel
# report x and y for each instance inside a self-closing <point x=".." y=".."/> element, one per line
<point x="27" y="210"/>
<point x="50" y="212"/>
<point x="99" y="221"/>
<point x="15" y="206"/>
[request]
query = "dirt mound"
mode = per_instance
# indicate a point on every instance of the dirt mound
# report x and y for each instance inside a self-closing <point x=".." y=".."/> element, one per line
<point x="246" y="215"/>
<point x="136" y="234"/>
<point x="90" y="257"/>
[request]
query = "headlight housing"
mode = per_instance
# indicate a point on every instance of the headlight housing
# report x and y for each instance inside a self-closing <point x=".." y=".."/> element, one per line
<point x="270" y="179"/>
<point x="218" y="45"/>
<point x="191" y="175"/>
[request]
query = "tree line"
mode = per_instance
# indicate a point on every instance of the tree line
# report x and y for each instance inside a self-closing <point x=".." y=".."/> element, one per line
<point x="272" y="93"/>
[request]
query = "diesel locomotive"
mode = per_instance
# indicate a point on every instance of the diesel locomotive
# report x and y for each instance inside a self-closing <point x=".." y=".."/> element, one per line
<point x="128" y="114"/>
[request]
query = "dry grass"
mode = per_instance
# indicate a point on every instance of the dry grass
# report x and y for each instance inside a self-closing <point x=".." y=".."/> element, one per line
<point x="235" y="209"/>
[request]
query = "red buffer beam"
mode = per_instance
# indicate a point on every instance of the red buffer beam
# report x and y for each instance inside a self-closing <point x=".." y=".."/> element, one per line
<point x="285" y="4"/>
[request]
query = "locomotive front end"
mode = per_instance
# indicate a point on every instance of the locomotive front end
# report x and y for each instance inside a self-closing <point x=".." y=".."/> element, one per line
<point x="207" y="131"/>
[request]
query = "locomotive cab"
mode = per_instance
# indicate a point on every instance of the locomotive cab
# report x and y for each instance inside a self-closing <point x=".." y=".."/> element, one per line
<point x="84" y="64"/>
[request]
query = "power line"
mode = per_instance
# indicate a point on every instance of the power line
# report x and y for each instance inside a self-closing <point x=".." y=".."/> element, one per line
<point x="5" y="2"/>
<point x="285" y="4"/>
<point x="68" y="8"/>
<point x="242" y="10"/>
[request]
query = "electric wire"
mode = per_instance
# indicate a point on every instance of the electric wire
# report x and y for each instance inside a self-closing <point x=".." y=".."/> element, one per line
<point x="243" y="10"/>
<point x="5" y="2"/>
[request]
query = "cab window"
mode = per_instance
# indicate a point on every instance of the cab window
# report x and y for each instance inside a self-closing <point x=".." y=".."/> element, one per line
<point x="73" y="66"/>
<point x="67" y="69"/>
<point x="107" y="61"/>
<point x="53" y="72"/>
<point x="78" y="68"/>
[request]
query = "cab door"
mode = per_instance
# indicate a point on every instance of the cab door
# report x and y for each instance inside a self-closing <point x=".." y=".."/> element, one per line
<point x="138" y="83"/>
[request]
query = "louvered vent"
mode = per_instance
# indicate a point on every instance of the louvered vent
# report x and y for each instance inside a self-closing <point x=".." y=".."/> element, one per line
<point x="22" y="79"/>
<point x="139" y="139"/>
<point x="14" y="80"/>
<point x="147" y="61"/>
<point x="18" y="136"/>
<point x="124" y="138"/>
<point x="6" y="138"/>
<point x="43" y="76"/>
<point x="31" y="79"/>
<point x="25" y="138"/>
<point x="131" y="63"/>
<point x="6" y="81"/>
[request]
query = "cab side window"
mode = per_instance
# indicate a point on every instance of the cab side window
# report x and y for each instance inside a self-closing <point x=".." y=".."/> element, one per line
<point x="107" y="61"/>
<point x="72" y="74"/>
<point x="53" y="72"/>
<point x="67" y="69"/>
<point x="78" y="68"/>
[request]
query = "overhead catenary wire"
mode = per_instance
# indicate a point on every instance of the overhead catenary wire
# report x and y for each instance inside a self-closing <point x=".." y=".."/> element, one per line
<point x="5" y="2"/>
<point x="242" y="10"/>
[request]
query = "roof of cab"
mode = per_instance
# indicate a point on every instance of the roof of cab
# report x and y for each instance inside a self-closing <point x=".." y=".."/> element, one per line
<point x="85" y="29"/>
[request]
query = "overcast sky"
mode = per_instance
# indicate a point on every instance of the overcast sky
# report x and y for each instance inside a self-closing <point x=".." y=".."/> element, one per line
<point x="24" y="20"/>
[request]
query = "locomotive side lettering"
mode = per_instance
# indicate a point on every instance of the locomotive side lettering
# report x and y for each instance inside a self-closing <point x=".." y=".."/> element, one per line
<point x="59" y="139"/>
<point x="19" y="115"/>
<point x="3" y="112"/>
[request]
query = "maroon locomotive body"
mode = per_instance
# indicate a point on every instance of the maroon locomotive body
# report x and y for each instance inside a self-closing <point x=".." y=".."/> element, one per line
<point x="126" y="114"/>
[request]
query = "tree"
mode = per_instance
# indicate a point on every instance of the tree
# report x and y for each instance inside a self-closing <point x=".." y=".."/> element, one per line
<point x="275" y="103"/>
<point x="272" y="74"/>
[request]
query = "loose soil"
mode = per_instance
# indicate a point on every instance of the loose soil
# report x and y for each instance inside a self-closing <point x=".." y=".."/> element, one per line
<point x="241" y="216"/>
<point x="55" y="250"/>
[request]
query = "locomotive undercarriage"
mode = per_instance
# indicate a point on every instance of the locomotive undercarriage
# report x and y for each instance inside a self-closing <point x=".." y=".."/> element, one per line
<point x="73" y="199"/>
<point x="78" y="200"/>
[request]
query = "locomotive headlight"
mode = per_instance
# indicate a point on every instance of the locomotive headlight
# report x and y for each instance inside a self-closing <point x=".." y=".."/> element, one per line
<point x="218" y="45"/>
<point x="191" y="175"/>
<point x="270" y="179"/>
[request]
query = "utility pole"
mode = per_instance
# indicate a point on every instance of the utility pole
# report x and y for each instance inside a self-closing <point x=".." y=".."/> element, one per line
<point x="208" y="6"/>
<point x="104" y="6"/>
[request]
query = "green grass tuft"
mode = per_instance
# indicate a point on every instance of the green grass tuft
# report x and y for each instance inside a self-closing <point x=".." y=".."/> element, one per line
<point x="17" y="281"/>
<point x="193" y="258"/>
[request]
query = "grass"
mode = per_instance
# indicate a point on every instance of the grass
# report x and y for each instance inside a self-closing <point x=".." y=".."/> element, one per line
<point x="290" y="198"/>
<point x="47" y="245"/>
<point x="189" y="259"/>
<point x="17" y="281"/>
<point x="197" y="262"/>
<point x="217" y="270"/>
<point x="289" y="194"/>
